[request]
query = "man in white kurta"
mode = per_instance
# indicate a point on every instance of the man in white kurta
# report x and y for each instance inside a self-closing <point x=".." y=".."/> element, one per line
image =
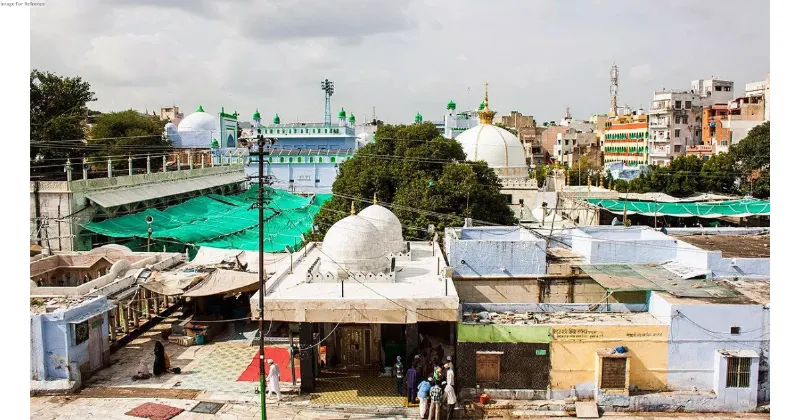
<point x="273" y="380"/>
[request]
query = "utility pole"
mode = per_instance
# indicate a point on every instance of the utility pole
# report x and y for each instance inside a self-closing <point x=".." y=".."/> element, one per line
<point x="260" y="203"/>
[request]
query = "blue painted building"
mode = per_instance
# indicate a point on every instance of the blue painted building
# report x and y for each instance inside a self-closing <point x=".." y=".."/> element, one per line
<point x="70" y="340"/>
<point x="305" y="158"/>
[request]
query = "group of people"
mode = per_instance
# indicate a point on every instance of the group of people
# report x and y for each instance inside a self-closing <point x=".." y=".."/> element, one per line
<point x="437" y="390"/>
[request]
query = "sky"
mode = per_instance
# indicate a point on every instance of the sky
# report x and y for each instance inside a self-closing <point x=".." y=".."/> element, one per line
<point x="399" y="57"/>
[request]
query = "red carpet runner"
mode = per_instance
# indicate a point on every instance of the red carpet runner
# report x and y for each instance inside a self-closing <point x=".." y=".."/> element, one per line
<point x="280" y="356"/>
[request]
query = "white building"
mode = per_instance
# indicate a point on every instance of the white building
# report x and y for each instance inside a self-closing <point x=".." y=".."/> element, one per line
<point x="674" y="124"/>
<point x="201" y="130"/>
<point x="712" y="91"/>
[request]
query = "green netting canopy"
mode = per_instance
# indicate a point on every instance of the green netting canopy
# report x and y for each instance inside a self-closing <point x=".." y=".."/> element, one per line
<point x="713" y="209"/>
<point x="222" y="221"/>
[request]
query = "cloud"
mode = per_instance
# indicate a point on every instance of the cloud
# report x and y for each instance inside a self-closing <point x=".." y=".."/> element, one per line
<point x="345" y="20"/>
<point x="399" y="56"/>
<point x="641" y="72"/>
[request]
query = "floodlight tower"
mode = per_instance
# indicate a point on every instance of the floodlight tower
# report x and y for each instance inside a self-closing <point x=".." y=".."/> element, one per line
<point x="327" y="87"/>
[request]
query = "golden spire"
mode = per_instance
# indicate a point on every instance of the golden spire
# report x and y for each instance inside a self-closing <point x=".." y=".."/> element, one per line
<point x="486" y="115"/>
<point x="374" y="198"/>
<point x="352" y="208"/>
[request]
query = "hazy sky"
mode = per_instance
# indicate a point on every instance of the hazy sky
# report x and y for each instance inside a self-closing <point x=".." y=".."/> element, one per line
<point x="400" y="56"/>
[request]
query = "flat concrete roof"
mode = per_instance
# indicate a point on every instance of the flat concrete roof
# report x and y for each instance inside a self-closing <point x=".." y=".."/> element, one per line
<point x="416" y="295"/>
<point x="732" y="246"/>
<point x="747" y="292"/>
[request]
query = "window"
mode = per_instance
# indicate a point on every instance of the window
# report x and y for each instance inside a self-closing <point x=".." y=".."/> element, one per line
<point x="677" y="148"/>
<point x="727" y="88"/>
<point x="718" y="89"/>
<point x="688" y="105"/>
<point x="677" y="133"/>
<point x="738" y="372"/>
<point x="487" y="366"/>
<point x="677" y="104"/>
<point x="81" y="332"/>
<point x="613" y="376"/>
<point x="333" y="160"/>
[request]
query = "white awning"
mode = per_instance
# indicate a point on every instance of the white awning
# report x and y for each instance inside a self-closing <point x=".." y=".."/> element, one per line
<point x="118" y="197"/>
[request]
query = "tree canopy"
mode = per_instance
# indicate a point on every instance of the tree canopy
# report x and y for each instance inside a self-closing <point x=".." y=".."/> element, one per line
<point x="58" y="116"/>
<point x="127" y="132"/>
<point x="423" y="178"/>
<point x="743" y="170"/>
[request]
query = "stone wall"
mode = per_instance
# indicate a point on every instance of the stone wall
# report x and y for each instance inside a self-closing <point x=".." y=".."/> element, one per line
<point x="520" y="366"/>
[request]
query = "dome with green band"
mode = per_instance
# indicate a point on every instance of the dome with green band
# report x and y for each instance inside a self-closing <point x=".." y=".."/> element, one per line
<point x="342" y="114"/>
<point x="276" y="120"/>
<point x="451" y="105"/>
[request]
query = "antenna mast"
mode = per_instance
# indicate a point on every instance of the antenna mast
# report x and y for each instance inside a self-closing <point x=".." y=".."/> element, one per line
<point x="614" y="89"/>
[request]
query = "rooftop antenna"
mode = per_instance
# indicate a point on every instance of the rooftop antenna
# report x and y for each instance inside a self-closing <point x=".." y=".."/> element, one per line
<point x="614" y="90"/>
<point x="374" y="118"/>
<point x="327" y="87"/>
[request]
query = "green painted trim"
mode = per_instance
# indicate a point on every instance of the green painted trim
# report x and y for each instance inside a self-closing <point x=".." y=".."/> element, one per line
<point x="504" y="333"/>
<point x="231" y="116"/>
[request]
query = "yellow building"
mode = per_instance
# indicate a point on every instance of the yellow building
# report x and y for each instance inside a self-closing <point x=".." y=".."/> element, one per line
<point x="574" y="351"/>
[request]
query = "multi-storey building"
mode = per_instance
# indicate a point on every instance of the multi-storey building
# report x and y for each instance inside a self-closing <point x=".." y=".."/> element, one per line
<point x="455" y="122"/>
<point x="626" y="140"/>
<point x="306" y="157"/>
<point x="675" y="123"/>
<point x="570" y="145"/>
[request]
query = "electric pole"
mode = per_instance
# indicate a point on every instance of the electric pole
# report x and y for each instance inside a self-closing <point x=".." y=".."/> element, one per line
<point x="260" y="203"/>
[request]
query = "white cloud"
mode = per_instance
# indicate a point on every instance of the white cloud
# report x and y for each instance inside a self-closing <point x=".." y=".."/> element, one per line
<point x="400" y="56"/>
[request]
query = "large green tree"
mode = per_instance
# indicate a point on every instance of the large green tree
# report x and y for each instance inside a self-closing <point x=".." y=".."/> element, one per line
<point x="423" y="178"/>
<point x="751" y="155"/>
<point x="127" y="133"/>
<point x="719" y="174"/>
<point x="58" y="116"/>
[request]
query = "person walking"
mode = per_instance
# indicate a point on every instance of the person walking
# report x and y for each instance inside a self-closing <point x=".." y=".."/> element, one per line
<point x="273" y="378"/>
<point x="411" y="385"/>
<point x="451" y="374"/>
<point x="450" y="399"/>
<point x="422" y="393"/>
<point x="435" y="395"/>
<point x="398" y="371"/>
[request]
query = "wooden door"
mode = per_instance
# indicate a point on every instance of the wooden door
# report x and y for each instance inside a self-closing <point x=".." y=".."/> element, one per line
<point x="352" y="347"/>
<point x="95" y="345"/>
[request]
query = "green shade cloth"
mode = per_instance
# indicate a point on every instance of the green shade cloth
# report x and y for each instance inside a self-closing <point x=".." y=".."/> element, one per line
<point x="223" y="221"/>
<point x="714" y="209"/>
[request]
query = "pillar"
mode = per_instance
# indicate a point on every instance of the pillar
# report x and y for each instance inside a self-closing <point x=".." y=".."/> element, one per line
<point x="124" y="318"/>
<point x="178" y="160"/>
<point x="110" y="169"/>
<point x="164" y="163"/>
<point x="135" y="309"/>
<point x="85" y="169"/>
<point x="412" y="340"/>
<point x="307" y="357"/>
<point x="68" y="170"/>
<point x="148" y="164"/>
<point x="146" y="301"/>
<point x="166" y="301"/>
<point x="112" y="325"/>
<point x="190" y="160"/>
<point x="130" y="165"/>
<point x="203" y="161"/>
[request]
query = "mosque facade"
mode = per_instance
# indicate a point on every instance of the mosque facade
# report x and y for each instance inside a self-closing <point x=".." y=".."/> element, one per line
<point x="305" y="157"/>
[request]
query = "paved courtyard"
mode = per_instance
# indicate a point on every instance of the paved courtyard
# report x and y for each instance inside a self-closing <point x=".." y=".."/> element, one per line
<point x="72" y="408"/>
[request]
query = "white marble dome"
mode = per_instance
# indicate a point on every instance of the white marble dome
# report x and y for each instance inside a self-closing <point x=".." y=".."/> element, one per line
<point x="350" y="244"/>
<point x="499" y="148"/>
<point x="199" y="121"/>
<point x="388" y="225"/>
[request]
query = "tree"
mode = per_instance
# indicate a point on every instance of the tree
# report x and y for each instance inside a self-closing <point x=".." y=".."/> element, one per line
<point x="58" y="114"/>
<point x="424" y="179"/>
<point x="751" y="155"/>
<point x="683" y="176"/>
<point x="127" y="133"/>
<point x="719" y="174"/>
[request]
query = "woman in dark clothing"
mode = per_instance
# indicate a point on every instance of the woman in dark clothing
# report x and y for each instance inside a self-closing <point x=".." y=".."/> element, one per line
<point x="160" y="362"/>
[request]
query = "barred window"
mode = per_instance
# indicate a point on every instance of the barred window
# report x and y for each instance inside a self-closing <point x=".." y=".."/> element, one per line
<point x="738" y="372"/>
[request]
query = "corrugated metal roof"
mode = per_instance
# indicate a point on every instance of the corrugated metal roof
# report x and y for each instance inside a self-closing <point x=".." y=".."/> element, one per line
<point x="118" y="197"/>
<point x="633" y="277"/>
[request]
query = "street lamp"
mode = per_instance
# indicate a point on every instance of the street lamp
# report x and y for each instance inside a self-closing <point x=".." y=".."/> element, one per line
<point x="149" y="220"/>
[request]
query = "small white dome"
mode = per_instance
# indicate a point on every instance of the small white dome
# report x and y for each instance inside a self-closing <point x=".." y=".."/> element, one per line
<point x="388" y="225"/>
<point x="499" y="148"/>
<point x="199" y="121"/>
<point x="350" y="244"/>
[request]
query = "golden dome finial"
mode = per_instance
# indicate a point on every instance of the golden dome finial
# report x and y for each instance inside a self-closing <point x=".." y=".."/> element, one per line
<point x="374" y="198"/>
<point x="486" y="115"/>
<point x="352" y="208"/>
